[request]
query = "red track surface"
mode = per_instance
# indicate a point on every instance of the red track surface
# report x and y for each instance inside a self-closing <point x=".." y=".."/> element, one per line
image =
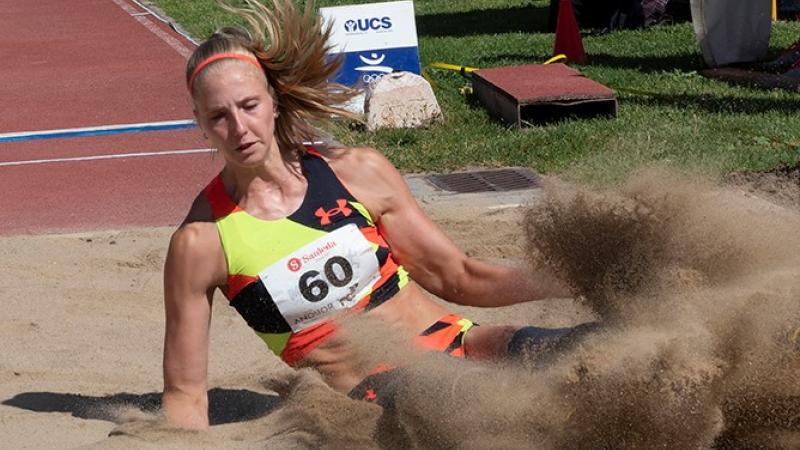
<point x="90" y="63"/>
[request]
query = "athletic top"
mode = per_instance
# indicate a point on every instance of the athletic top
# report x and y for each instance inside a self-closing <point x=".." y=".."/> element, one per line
<point x="288" y="277"/>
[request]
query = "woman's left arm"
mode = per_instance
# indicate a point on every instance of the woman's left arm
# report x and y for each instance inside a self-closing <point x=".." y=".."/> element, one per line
<point x="430" y="257"/>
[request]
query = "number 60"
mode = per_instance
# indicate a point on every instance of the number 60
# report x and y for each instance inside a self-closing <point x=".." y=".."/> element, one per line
<point x="315" y="289"/>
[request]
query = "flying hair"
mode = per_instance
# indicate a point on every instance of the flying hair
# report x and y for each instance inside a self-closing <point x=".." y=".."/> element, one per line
<point x="292" y="48"/>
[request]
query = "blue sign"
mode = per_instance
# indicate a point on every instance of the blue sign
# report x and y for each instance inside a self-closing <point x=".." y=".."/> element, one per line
<point x="367" y="66"/>
<point x="375" y="39"/>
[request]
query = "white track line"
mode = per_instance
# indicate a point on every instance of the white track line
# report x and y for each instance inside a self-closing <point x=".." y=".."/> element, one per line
<point x="104" y="157"/>
<point x="168" y="125"/>
<point x="171" y="41"/>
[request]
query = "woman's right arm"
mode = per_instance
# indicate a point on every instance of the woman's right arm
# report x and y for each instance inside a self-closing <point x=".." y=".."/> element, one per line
<point x="191" y="273"/>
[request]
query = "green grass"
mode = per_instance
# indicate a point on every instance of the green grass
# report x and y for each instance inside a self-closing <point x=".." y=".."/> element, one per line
<point x="668" y="113"/>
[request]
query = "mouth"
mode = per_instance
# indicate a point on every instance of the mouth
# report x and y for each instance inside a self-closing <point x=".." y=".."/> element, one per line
<point x="244" y="147"/>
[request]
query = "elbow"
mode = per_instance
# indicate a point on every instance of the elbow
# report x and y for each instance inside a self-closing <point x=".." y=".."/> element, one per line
<point x="458" y="280"/>
<point x="457" y="287"/>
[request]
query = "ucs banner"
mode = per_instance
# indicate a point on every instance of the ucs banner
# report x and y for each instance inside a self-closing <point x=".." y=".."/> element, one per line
<point x="375" y="39"/>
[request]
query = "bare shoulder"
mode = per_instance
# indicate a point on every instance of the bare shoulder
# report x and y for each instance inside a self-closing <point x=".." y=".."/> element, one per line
<point x="195" y="245"/>
<point x="364" y="160"/>
<point x="362" y="166"/>
<point x="368" y="175"/>
<point x="199" y="212"/>
<point x="197" y="232"/>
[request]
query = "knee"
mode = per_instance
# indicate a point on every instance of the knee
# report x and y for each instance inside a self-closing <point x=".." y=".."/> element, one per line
<point x="488" y="342"/>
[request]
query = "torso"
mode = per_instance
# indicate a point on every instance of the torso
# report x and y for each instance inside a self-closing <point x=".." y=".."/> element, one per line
<point x="407" y="310"/>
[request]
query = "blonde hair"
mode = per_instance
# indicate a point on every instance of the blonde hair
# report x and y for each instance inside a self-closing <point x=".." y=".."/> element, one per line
<point x="292" y="47"/>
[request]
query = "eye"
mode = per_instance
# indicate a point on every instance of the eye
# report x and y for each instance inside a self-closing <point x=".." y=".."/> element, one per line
<point x="249" y="106"/>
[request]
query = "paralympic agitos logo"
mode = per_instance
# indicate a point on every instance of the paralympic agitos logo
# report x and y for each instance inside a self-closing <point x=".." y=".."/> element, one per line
<point x="368" y="24"/>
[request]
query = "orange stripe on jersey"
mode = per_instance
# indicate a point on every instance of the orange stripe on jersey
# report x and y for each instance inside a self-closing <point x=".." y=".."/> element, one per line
<point x="302" y="343"/>
<point x="390" y="266"/>
<point x="237" y="282"/>
<point x="221" y="204"/>
<point x="387" y="271"/>
<point x="371" y="233"/>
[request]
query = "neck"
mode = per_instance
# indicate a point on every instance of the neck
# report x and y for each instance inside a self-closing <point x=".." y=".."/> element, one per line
<point x="272" y="189"/>
<point x="276" y="168"/>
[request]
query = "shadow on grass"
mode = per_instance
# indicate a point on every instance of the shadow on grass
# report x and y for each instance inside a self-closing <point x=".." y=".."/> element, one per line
<point x="224" y="405"/>
<point x="645" y="64"/>
<point x="649" y="64"/>
<point x="711" y="103"/>
<point x="504" y="59"/>
<point x="525" y="19"/>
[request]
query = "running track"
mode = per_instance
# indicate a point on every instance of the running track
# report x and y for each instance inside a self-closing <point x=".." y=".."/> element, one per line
<point x="79" y="80"/>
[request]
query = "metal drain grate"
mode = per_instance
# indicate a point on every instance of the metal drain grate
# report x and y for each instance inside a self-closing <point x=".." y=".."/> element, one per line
<point x="499" y="180"/>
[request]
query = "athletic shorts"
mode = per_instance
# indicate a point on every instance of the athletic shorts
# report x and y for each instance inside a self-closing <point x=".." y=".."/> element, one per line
<point x="446" y="336"/>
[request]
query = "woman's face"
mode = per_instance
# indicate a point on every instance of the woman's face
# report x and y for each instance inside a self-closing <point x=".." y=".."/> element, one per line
<point x="235" y="110"/>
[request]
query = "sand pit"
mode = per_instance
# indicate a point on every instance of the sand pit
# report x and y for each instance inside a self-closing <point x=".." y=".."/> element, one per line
<point x="697" y="289"/>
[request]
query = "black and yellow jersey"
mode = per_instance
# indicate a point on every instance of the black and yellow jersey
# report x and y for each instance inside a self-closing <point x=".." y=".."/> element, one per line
<point x="288" y="277"/>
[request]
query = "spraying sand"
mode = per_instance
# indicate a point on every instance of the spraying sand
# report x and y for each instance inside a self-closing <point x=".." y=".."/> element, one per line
<point x="696" y="289"/>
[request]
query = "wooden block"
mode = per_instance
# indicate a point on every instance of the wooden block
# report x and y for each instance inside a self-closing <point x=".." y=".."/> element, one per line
<point x="537" y="93"/>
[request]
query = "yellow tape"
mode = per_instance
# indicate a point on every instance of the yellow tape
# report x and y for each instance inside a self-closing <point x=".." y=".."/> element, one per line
<point x="467" y="70"/>
<point x="463" y="70"/>
<point x="454" y="67"/>
<point x="556" y="58"/>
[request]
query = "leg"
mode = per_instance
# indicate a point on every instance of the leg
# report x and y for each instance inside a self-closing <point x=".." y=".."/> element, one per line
<point x="533" y="344"/>
<point x="488" y="342"/>
<point x="539" y="345"/>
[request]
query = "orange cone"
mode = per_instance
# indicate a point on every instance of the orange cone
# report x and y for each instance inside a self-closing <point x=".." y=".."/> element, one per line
<point x="568" y="37"/>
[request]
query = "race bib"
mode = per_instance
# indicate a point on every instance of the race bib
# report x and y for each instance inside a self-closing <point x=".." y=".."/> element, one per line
<point x="327" y="275"/>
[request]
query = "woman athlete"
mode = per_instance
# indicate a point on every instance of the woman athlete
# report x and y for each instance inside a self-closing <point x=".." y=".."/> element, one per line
<point x="295" y="235"/>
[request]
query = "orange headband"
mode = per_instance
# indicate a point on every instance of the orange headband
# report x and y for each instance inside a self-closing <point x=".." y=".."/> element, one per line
<point x="246" y="58"/>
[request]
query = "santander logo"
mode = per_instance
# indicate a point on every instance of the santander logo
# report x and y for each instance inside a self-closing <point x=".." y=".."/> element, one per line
<point x="294" y="264"/>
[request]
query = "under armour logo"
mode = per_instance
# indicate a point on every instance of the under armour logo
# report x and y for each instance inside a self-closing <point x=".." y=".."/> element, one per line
<point x="325" y="216"/>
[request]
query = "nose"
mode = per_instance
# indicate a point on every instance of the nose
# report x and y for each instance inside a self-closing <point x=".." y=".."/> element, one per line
<point x="237" y="124"/>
